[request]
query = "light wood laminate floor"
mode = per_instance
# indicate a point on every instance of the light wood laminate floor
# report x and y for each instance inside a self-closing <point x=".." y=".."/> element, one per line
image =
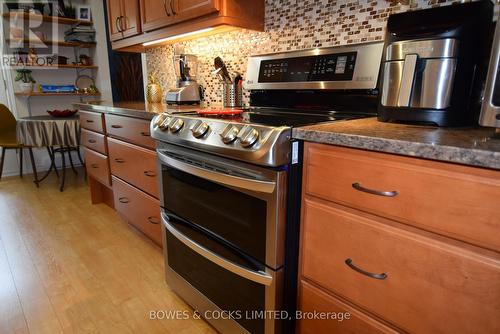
<point x="67" y="266"/>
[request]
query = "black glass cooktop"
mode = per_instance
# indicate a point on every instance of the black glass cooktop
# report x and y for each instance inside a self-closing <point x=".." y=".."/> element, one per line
<point x="292" y="118"/>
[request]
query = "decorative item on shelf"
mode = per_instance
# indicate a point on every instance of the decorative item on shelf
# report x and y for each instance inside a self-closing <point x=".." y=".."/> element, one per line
<point x="32" y="57"/>
<point x="59" y="8"/>
<point x="62" y="113"/>
<point x="57" y="88"/>
<point x="154" y="93"/>
<point x="70" y="10"/>
<point x="85" y="84"/>
<point x="85" y="60"/>
<point x="27" y="81"/>
<point x="83" y="13"/>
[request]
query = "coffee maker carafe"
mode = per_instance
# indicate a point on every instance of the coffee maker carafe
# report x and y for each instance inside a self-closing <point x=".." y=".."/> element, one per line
<point x="433" y="64"/>
<point x="187" y="90"/>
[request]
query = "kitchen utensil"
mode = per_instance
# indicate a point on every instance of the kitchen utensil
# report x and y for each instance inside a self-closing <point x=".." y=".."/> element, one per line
<point x="220" y="112"/>
<point x="219" y="64"/>
<point x="232" y="95"/>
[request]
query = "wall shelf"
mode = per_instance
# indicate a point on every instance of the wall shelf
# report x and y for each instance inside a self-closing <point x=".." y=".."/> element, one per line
<point x="54" y="19"/>
<point x="32" y="94"/>
<point x="34" y="43"/>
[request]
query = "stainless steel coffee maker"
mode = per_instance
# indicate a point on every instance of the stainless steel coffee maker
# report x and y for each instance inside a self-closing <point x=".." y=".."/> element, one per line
<point x="187" y="90"/>
<point x="433" y="64"/>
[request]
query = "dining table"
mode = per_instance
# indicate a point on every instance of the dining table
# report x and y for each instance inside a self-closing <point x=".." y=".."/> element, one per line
<point x="58" y="135"/>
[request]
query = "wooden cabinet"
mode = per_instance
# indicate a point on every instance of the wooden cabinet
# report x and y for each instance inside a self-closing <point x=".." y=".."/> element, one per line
<point x="92" y="121"/>
<point x="344" y="319"/>
<point x="160" y="19"/>
<point x="135" y="165"/>
<point x="123" y="19"/>
<point x="130" y="129"/>
<point x="161" y="13"/>
<point x="97" y="166"/>
<point x="94" y="141"/>
<point x="389" y="257"/>
<point x="138" y="208"/>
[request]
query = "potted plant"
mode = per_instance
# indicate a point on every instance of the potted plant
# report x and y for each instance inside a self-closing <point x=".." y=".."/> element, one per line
<point x="26" y="79"/>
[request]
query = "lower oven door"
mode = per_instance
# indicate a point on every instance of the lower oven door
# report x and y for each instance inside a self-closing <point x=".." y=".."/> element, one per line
<point x="227" y="288"/>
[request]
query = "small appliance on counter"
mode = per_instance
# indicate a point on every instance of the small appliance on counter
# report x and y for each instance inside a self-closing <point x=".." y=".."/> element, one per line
<point x="490" y="112"/>
<point x="187" y="90"/>
<point x="433" y="64"/>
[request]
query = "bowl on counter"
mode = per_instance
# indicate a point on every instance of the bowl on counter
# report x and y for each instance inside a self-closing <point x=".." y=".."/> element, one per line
<point x="62" y="113"/>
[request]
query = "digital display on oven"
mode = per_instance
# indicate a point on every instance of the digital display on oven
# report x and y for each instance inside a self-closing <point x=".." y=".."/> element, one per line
<point x="333" y="67"/>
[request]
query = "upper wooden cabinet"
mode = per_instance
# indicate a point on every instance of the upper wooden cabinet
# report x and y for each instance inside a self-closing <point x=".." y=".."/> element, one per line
<point x="123" y="19"/>
<point x="161" y="13"/>
<point x="160" y="19"/>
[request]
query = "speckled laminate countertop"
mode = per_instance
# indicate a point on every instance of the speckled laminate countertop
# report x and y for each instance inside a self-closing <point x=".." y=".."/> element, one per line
<point x="133" y="109"/>
<point x="468" y="146"/>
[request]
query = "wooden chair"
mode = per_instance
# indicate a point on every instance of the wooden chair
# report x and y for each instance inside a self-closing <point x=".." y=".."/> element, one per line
<point x="8" y="139"/>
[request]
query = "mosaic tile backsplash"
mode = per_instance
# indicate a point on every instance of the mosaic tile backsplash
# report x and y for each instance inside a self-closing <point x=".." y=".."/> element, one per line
<point x="289" y="25"/>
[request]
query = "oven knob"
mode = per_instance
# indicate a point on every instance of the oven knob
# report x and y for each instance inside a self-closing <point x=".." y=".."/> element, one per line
<point x="229" y="134"/>
<point x="160" y="119"/>
<point x="248" y="136"/>
<point x="164" y="124"/>
<point x="175" y="125"/>
<point x="199" y="129"/>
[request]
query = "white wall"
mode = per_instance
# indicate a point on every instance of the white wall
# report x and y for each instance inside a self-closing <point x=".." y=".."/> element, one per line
<point x="39" y="105"/>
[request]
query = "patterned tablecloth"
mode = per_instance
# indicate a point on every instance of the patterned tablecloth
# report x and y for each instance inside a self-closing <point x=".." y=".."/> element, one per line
<point x="39" y="131"/>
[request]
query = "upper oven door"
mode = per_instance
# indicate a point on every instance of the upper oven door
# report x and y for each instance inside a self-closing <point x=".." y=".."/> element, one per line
<point x="237" y="202"/>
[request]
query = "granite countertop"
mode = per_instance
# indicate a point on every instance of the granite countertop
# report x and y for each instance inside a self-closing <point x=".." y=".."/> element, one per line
<point x="135" y="109"/>
<point x="468" y="146"/>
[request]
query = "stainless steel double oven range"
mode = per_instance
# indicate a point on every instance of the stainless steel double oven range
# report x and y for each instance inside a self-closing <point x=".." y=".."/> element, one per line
<point x="230" y="185"/>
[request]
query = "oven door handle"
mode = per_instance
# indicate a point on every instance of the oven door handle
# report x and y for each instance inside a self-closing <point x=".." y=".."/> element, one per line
<point x="255" y="276"/>
<point x="228" y="180"/>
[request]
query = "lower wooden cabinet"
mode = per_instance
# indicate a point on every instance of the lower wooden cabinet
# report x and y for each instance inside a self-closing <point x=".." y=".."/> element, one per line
<point x="391" y="268"/>
<point x="340" y="317"/>
<point x="138" y="208"/>
<point x="97" y="166"/>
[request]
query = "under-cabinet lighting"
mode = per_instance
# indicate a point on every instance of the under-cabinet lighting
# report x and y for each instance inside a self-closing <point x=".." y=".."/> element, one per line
<point x="177" y="36"/>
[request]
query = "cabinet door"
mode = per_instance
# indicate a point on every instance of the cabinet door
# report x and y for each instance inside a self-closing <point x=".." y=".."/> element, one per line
<point x="188" y="9"/>
<point x="114" y="14"/>
<point x="156" y="14"/>
<point x="131" y="20"/>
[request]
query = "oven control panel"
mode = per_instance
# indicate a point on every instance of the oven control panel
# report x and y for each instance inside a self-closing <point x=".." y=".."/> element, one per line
<point x="354" y="66"/>
<point x="230" y="138"/>
<point x="330" y="67"/>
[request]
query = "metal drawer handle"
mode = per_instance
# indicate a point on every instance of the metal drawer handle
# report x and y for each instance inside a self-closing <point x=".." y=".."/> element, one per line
<point x="94" y="165"/>
<point x="116" y="126"/>
<point x="165" y="7"/>
<point x="123" y="200"/>
<point x="172" y="7"/>
<point x="153" y="220"/>
<point x="359" y="187"/>
<point x="145" y="134"/>
<point x="92" y="141"/>
<point x="89" y="121"/>
<point x="120" y="161"/>
<point x="366" y="273"/>
<point x="149" y="173"/>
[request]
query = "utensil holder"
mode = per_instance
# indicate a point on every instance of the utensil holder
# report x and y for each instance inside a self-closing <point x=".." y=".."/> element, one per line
<point x="232" y="95"/>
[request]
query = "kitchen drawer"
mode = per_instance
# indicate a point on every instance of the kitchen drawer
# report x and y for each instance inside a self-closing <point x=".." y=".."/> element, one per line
<point x="94" y="141"/>
<point x="93" y="121"/>
<point x="134" y="164"/>
<point x="97" y="166"/>
<point x="457" y="201"/>
<point x="130" y="129"/>
<point x="138" y="208"/>
<point x="313" y="300"/>
<point x="431" y="286"/>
